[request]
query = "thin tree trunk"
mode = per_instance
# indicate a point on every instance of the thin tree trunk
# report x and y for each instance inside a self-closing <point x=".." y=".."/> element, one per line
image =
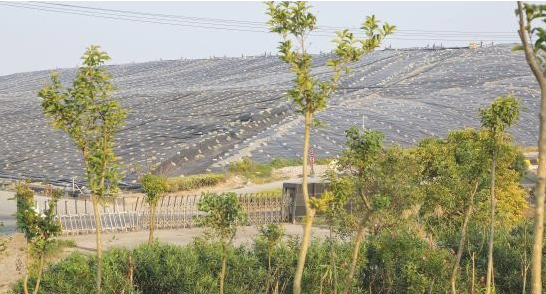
<point x="524" y="269"/>
<point x="468" y="212"/>
<point x="538" y="229"/>
<point x="473" y="284"/>
<point x="333" y="261"/>
<point x="98" y="228"/>
<point x="309" y="212"/>
<point x="224" y="267"/>
<point x="152" y="221"/>
<point x="269" y="260"/>
<point x="524" y="288"/>
<point x="98" y="222"/>
<point x="356" y="250"/>
<point x="491" y="224"/>
<point x="40" y="272"/>
<point x="453" y="278"/>
<point x="130" y="272"/>
<point x="525" y="265"/>
<point x="25" y="280"/>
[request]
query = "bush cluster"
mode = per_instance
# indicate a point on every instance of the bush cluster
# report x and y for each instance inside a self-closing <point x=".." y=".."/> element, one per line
<point x="262" y="172"/>
<point x="195" y="182"/>
<point x="393" y="261"/>
<point x="250" y="168"/>
<point x="246" y="167"/>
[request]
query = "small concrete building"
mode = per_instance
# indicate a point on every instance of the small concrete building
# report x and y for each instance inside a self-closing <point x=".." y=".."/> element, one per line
<point x="316" y="186"/>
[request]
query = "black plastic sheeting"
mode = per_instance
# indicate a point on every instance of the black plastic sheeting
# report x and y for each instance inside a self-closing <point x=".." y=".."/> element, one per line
<point x="193" y="116"/>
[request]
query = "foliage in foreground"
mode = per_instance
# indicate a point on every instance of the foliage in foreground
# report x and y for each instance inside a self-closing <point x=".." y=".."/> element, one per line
<point x="294" y="22"/>
<point x="38" y="227"/>
<point x="223" y="214"/>
<point x="532" y="18"/>
<point x="392" y="261"/>
<point x="91" y="118"/>
<point x="154" y="186"/>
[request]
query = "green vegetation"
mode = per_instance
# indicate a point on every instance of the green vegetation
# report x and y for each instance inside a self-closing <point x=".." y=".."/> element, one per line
<point x="223" y="214"/>
<point x="271" y="235"/>
<point x="280" y="162"/>
<point x="154" y="186"/>
<point x="39" y="227"/>
<point x="533" y="43"/>
<point x="3" y="241"/>
<point x="444" y="216"/>
<point x="263" y="173"/>
<point x="418" y="223"/>
<point x="193" y="182"/>
<point x="397" y="260"/>
<point x="88" y="114"/>
<point x="275" y="191"/>
<point x="56" y="246"/>
<point x="499" y="116"/>
<point x="457" y="189"/>
<point x="255" y="172"/>
<point x="378" y="181"/>
<point x="525" y="149"/>
<point x="293" y="22"/>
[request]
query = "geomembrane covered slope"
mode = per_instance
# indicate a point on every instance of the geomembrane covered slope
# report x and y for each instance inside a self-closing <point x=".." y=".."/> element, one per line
<point x="191" y="116"/>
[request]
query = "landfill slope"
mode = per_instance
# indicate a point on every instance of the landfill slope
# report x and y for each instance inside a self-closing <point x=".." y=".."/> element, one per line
<point x="194" y="116"/>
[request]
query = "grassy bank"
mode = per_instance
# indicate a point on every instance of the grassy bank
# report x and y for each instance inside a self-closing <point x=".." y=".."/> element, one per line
<point x="246" y="168"/>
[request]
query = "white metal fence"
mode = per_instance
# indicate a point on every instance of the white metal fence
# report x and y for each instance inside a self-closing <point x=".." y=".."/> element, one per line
<point x="132" y="214"/>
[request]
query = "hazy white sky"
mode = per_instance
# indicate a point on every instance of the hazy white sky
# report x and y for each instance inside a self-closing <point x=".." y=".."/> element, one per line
<point x="35" y="39"/>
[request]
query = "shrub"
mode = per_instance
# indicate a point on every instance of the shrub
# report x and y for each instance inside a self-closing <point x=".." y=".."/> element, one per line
<point x="75" y="274"/>
<point x="3" y="241"/>
<point x="39" y="227"/>
<point x="154" y="186"/>
<point x="223" y="214"/>
<point x="162" y="268"/>
<point x="194" y="182"/>
<point x="393" y="261"/>
<point x="250" y="169"/>
<point x="263" y="172"/>
<point x="168" y="269"/>
<point x="402" y="262"/>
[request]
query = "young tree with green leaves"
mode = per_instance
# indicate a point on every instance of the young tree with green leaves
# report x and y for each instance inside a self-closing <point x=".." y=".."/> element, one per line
<point x="155" y="187"/>
<point x="91" y="117"/>
<point x="378" y="181"/>
<point x="456" y="187"/>
<point x="359" y="163"/>
<point x="341" y="221"/>
<point x="39" y="227"/>
<point x="499" y="116"/>
<point x="455" y="179"/>
<point x="294" y="22"/>
<point x="223" y="214"/>
<point x="272" y="235"/>
<point x="535" y="54"/>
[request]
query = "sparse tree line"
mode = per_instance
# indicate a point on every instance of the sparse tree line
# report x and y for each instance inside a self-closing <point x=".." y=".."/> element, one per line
<point x="445" y="216"/>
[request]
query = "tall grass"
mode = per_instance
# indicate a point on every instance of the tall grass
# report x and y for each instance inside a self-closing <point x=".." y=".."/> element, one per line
<point x="195" y="182"/>
<point x="263" y="172"/>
